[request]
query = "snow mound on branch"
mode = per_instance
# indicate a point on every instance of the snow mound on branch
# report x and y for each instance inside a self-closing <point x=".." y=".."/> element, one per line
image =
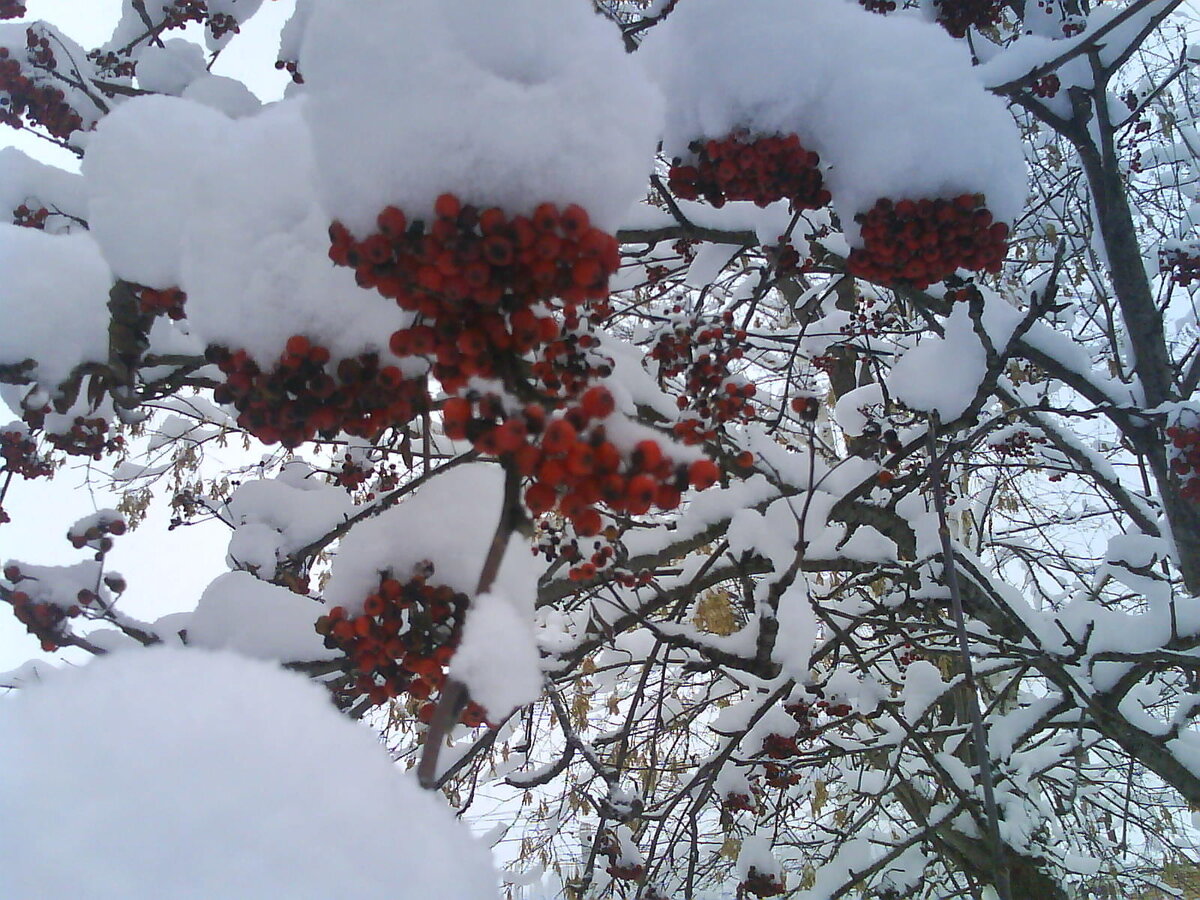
<point x="498" y="658"/>
<point x="190" y="773"/>
<point x="890" y="103"/>
<point x="183" y="196"/>
<point x="170" y="68"/>
<point x="53" y="301"/>
<point x="239" y="612"/>
<point x="450" y="522"/>
<point x="144" y="183"/>
<point x="504" y="104"/>
<point x="24" y="180"/>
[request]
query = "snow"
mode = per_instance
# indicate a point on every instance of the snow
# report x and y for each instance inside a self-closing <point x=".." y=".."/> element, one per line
<point x="797" y="634"/>
<point x="923" y="685"/>
<point x="449" y="521"/>
<point x="275" y="517"/>
<point x="793" y="68"/>
<point x="498" y="659"/>
<point x="144" y="181"/>
<point x="170" y="68"/>
<point x="64" y="278"/>
<point x="25" y="180"/>
<point x="942" y="374"/>
<point x="547" y="108"/>
<point x="238" y="612"/>
<point x="227" y="95"/>
<point x="197" y="785"/>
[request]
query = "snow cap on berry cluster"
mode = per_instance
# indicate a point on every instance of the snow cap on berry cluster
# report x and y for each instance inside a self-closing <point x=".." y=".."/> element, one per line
<point x="53" y="302"/>
<point x="180" y="195"/>
<point x="195" y="782"/>
<point x="890" y="103"/>
<point x="502" y="104"/>
<point x="448" y="522"/>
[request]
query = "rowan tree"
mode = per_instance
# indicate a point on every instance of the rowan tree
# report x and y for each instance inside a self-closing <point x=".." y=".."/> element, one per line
<point x="732" y="448"/>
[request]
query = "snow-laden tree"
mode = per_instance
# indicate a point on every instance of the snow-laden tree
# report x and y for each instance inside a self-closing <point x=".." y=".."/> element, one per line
<point x="738" y="447"/>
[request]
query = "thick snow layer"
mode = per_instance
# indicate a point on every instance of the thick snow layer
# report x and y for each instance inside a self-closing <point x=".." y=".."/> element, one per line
<point x="183" y="196"/>
<point x="504" y="104"/>
<point x="170" y="68"/>
<point x="914" y="123"/>
<point x="228" y="95"/>
<point x="498" y="659"/>
<point x="277" y="516"/>
<point x="194" y="774"/>
<point x="24" y="180"/>
<point x="449" y="522"/>
<point x="53" y="301"/>
<point x="239" y="612"/>
<point x="144" y="183"/>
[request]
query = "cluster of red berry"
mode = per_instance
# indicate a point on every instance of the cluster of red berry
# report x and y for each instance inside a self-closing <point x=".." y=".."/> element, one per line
<point x="12" y="9"/>
<point x="883" y="7"/>
<point x="919" y="242"/>
<point x="909" y="656"/>
<point x="402" y="641"/>
<point x="19" y="451"/>
<point x="478" y="278"/>
<point x="621" y="866"/>
<point x="94" y="532"/>
<point x="1047" y="86"/>
<point x="306" y="394"/>
<point x="867" y="320"/>
<point x="786" y="259"/>
<point x="86" y="437"/>
<point x="736" y="801"/>
<point x="1183" y="265"/>
<point x="570" y="460"/>
<point x="1018" y="443"/>
<point x="958" y="16"/>
<point x="762" y="884"/>
<point x="352" y="475"/>
<point x="290" y="66"/>
<point x="702" y="353"/>
<point x="26" y="217"/>
<point x="761" y="169"/>
<point x="807" y="408"/>
<point x="111" y="64"/>
<point x="1185" y="457"/>
<point x="45" y="621"/>
<point x="168" y="302"/>
<point x="42" y="104"/>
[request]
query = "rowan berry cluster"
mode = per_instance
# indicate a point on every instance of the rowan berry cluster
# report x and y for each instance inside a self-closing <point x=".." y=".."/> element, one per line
<point x="572" y="463"/>
<point x="307" y="394"/>
<point x="740" y="166"/>
<point x="26" y="217"/>
<point x="909" y="656"/>
<point x="290" y="66"/>
<point x="168" y="302"/>
<point x="867" y="320"/>
<point x="919" y="242"/>
<point x="806" y="407"/>
<point x="401" y="642"/>
<point x="352" y="475"/>
<point x="1183" y="265"/>
<point x="552" y="543"/>
<point x="19" y="451"/>
<point x="786" y="259"/>
<point x="481" y="281"/>
<point x="86" y="437"/>
<point x="45" y="621"/>
<point x="1018" y="443"/>
<point x="958" y="16"/>
<point x="22" y="98"/>
<point x="12" y="9"/>
<point x="966" y="293"/>
<point x="762" y="884"/>
<point x="621" y="866"/>
<point x="702" y="352"/>
<point x="111" y="64"/>
<point x="1185" y="457"/>
<point x="883" y="7"/>
<point x="96" y="532"/>
<point x="1047" y="86"/>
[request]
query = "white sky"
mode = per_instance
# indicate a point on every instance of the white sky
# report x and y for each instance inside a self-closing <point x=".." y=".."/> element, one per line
<point x="166" y="571"/>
